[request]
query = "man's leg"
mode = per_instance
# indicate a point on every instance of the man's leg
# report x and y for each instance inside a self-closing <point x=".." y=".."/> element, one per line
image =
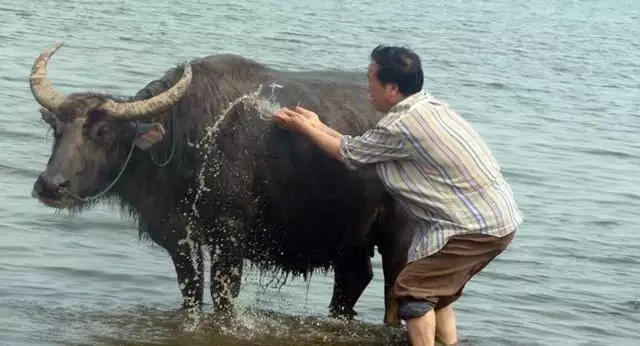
<point x="420" y="319"/>
<point x="426" y="325"/>
<point x="422" y="330"/>
<point x="439" y="280"/>
<point x="446" y="330"/>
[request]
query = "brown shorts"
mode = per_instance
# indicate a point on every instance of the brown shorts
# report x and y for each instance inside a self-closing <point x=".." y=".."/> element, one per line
<point x="441" y="277"/>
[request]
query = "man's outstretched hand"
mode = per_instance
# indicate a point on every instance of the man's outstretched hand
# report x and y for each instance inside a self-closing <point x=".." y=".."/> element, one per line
<point x="299" y="120"/>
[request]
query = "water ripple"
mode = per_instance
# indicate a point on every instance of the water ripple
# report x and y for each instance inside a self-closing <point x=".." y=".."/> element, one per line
<point x="552" y="87"/>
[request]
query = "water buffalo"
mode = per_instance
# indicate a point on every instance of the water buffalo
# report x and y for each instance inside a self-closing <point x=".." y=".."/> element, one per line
<point x="194" y="160"/>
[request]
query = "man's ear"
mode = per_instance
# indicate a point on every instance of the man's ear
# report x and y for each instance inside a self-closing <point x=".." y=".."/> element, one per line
<point x="148" y="135"/>
<point x="393" y="88"/>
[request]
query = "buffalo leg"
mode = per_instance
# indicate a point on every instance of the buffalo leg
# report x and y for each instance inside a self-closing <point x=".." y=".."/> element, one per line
<point x="393" y="233"/>
<point x="188" y="261"/>
<point x="186" y="254"/>
<point x="393" y="250"/>
<point x="352" y="274"/>
<point x="226" y="267"/>
<point x="226" y="276"/>
<point x="391" y="267"/>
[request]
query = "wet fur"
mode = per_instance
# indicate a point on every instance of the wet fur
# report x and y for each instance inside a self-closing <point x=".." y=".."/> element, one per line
<point x="295" y="209"/>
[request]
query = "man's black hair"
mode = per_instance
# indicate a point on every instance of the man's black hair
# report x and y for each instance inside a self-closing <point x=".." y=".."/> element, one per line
<point x="399" y="65"/>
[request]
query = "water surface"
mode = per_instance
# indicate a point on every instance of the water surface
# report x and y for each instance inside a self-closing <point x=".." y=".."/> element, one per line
<point x="552" y="86"/>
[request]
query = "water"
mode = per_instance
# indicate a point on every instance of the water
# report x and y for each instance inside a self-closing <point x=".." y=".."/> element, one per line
<point x="554" y="87"/>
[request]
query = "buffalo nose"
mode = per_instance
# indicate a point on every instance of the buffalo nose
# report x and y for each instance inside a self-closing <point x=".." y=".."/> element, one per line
<point x="48" y="186"/>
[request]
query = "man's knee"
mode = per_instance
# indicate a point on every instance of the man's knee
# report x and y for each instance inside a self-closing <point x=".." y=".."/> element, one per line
<point x="412" y="308"/>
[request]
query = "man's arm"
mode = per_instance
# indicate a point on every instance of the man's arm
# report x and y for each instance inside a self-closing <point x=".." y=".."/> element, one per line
<point x="326" y="129"/>
<point x="325" y="137"/>
<point x="376" y="145"/>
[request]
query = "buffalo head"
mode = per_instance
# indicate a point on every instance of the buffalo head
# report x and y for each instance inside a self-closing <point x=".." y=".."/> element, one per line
<point x="94" y="135"/>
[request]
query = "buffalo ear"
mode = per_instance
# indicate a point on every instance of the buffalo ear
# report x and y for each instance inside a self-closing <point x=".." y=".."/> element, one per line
<point x="148" y="135"/>
<point x="48" y="116"/>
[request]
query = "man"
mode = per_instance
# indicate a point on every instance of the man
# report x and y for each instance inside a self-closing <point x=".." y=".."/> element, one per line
<point x="441" y="173"/>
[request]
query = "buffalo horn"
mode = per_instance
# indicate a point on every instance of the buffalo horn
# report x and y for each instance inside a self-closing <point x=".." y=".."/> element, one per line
<point x="41" y="89"/>
<point x="49" y="98"/>
<point x="152" y="106"/>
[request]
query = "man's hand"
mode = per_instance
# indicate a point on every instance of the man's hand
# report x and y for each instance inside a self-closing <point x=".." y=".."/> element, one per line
<point x="311" y="116"/>
<point x="307" y="122"/>
<point x="298" y="120"/>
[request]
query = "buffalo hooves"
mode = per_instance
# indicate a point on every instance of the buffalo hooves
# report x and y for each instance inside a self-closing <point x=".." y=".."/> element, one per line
<point x="192" y="320"/>
<point x="343" y="314"/>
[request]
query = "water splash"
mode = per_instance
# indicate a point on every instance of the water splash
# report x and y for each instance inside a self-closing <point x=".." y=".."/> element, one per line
<point x="144" y="326"/>
<point x="265" y="106"/>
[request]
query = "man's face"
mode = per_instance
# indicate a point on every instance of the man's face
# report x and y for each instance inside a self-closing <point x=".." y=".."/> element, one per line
<point x="383" y="97"/>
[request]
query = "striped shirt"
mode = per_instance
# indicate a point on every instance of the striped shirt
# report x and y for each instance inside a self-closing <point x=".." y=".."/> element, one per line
<point x="439" y="170"/>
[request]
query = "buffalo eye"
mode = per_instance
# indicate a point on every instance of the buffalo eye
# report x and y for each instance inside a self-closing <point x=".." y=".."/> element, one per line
<point x="100" y="131"/>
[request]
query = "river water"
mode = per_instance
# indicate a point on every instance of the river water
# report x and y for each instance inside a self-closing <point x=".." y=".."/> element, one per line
<point x="553" y="86"/>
